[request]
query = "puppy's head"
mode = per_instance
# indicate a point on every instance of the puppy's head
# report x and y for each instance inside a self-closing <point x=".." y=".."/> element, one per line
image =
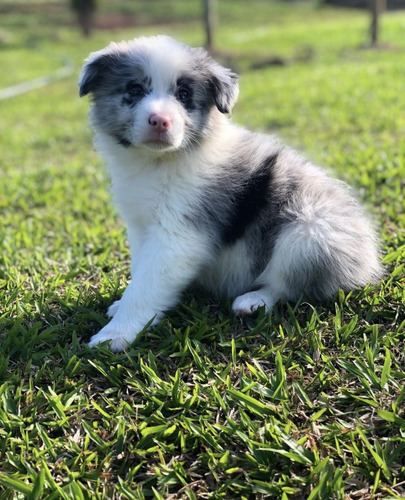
<point x="156" y="93"/>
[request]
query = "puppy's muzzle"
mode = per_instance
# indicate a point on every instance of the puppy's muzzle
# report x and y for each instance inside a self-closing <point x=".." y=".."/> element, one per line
<point x="159" y="129"/>
<point x="160" y="123"/>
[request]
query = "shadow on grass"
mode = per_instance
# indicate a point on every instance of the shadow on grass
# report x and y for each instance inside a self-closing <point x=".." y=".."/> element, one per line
<point x="199" y="326"/>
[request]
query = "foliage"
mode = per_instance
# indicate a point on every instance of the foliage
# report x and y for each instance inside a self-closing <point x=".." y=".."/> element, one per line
<point x="307" y="402"/>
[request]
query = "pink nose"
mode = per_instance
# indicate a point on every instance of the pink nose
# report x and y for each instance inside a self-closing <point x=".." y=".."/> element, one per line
<point x="160" y="122"/>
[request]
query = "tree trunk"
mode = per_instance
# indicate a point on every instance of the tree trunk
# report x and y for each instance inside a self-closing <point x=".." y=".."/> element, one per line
<point x="377" y="8"/>
<point x="210" y="22"/>
<point x="85" y="10"/>
<point x="85" y="18"/>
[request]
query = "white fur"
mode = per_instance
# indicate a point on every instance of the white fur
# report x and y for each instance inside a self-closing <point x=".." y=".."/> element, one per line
<point x="166" y="255"/>
<point x="248" y="303"/>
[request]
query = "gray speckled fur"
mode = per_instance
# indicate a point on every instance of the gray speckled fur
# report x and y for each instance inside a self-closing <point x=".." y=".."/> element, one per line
<point x="325" y="226"/>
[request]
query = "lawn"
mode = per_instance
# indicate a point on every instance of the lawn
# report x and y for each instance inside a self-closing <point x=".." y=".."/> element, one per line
<point x="307" y="402"/>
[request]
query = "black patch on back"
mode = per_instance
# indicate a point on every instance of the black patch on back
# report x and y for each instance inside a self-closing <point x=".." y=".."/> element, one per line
<point x="243" y="201"/>
<point x="249" y="201"/>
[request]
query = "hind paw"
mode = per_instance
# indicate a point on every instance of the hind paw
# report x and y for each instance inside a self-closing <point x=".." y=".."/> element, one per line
<point x="248" y="303"/>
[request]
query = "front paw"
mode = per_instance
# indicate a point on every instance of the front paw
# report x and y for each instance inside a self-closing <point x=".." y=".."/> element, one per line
<point x="113" y="308"/>
<point x="120" y="338"/>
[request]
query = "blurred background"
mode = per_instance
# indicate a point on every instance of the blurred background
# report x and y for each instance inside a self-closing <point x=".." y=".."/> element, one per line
<point x="58" y="30"/>
<point x="44" y="40"/>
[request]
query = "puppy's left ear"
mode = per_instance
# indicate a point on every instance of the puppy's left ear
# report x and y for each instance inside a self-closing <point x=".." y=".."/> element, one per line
<point x="94" y="70"/>
<point x="225" y="88"/>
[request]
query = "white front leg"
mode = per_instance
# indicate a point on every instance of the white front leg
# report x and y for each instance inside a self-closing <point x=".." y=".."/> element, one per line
<point x="164" y="267"/>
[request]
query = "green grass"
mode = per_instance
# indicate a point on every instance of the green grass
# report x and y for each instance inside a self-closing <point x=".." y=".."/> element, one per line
<point x="307" y="402"/>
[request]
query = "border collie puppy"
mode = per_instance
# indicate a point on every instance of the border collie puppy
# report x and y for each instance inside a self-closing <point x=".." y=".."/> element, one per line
<point x="208" y="202"/>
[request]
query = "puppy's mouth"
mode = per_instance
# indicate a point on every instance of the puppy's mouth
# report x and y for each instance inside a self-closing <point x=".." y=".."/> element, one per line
<point x="159" y="142"/>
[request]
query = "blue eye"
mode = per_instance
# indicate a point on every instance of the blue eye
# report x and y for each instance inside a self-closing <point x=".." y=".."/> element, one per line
<point x="136" y="90"/>
<point x="184" y="94"/>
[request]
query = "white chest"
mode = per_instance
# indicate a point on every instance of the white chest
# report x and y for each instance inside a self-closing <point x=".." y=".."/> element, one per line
<point x="153" y="197"/>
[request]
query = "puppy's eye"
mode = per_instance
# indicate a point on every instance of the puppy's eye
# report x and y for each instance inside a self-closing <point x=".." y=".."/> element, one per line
<point x="135" y="90"/>
<point x="184" y="94"/>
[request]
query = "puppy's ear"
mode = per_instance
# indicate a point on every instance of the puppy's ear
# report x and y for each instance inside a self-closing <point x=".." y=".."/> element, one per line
<point x="224" y="84"/>
<point x="93" y="71"/>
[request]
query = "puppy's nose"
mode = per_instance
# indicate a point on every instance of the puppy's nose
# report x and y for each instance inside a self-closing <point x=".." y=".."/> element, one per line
<point x="160" y="122"/>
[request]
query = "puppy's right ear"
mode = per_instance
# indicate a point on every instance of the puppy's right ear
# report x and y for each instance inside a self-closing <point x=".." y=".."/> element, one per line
<point x="225" y="88"/>
<point x="93" y="71"/>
